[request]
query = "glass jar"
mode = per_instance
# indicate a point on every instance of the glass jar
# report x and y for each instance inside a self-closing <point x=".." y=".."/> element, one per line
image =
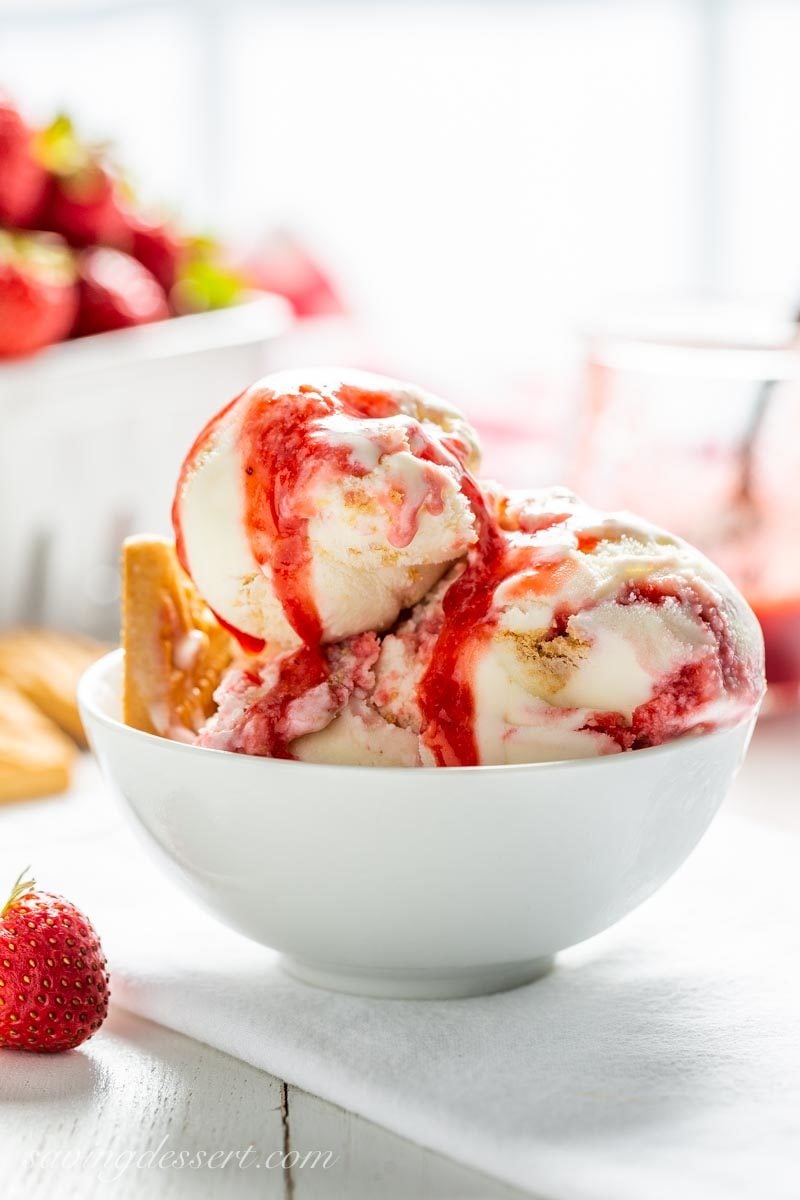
<point x="697" y="427"/>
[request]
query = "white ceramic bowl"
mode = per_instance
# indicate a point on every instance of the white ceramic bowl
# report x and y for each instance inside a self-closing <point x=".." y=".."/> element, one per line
<point x="416" y="883"/>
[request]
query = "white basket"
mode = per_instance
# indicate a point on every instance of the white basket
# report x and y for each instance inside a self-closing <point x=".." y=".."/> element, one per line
<point x="92" y="436"/>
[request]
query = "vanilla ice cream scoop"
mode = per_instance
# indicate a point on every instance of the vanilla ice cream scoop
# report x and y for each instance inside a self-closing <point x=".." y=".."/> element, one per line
<point x="568" y="633"/>
<point x="320" y="504"/>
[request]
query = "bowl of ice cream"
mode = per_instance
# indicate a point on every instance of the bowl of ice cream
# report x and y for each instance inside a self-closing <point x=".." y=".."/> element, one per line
<point x="428" y="883"/>
<point x="413" y="731"/>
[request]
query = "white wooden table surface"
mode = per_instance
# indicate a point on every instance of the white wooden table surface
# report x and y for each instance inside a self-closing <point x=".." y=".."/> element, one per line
<point x="137" y="1084"/>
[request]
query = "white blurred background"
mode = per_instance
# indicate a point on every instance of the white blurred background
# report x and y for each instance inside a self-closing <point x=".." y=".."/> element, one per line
<point x="477" y="175"/>
<point x="481" y="182"/>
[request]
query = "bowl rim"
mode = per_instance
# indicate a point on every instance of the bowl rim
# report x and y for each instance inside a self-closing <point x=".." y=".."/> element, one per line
<point x="104" y="665"/>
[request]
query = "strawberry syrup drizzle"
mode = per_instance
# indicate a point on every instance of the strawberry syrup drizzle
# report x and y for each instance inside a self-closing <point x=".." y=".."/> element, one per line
<point x="404" y="521"/>
<point x="688" y="689"/>
<point x="663" y="717"/>
<point x="736" y="675"/>
<point x="278" y="457"/>
<point x="587" y="542"/>
<point x="250" y="644"/>
<point x="446" y="696"/>
<point x="303" y="670"/>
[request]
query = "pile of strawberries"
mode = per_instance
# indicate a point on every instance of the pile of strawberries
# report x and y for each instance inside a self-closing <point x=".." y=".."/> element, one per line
<point x="77" y="255"/>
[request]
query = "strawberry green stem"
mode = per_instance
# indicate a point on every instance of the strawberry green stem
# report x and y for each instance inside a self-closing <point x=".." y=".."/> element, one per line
<point x="24" y="884"/>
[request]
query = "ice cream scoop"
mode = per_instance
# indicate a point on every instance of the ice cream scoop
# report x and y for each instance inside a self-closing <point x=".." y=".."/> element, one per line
<point x="318" y="505"/>
<point x="570" y="633"/>
<point x="563" y="633"/>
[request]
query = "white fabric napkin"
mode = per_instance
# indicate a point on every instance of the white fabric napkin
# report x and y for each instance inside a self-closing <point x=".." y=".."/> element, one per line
<point x="661" y="1059"/>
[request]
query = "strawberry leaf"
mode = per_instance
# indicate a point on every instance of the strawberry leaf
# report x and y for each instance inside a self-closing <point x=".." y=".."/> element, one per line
<point x="205" y="281"/>
<point x="20" y="889"/>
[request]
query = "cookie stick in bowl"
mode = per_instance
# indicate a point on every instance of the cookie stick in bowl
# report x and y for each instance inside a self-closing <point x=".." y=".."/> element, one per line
<point x="175" y="649"/>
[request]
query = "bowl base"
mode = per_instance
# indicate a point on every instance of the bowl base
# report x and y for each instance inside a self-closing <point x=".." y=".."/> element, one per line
<point x="416" y="983"/>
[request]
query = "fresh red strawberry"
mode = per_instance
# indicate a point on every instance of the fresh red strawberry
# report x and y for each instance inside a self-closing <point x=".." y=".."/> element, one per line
<point x="53" y="976"/>
<point x="87" y="202"/>
<point x="38" y="292"/>
<point x="158" y="247"/>
<point x="85" y="208"/>
<point x="116" y="292"/>
<point x="23" y="180"/>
